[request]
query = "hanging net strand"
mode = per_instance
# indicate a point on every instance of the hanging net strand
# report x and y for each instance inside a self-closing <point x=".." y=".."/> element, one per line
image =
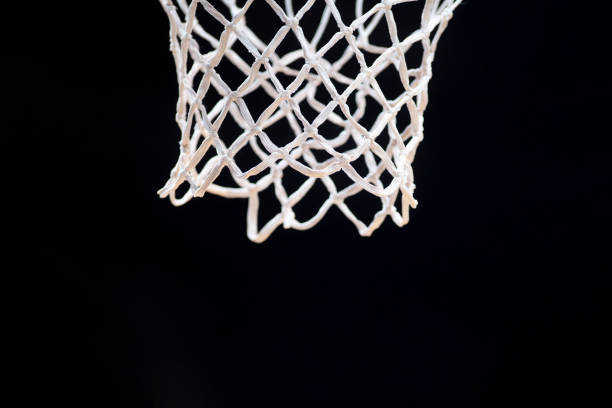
<point x="341" y="132"/>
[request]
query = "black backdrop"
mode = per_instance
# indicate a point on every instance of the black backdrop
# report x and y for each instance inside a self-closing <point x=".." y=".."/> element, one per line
<point x="492" y="295"/>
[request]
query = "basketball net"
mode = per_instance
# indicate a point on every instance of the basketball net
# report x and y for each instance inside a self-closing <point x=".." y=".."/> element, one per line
<point x="376" y="158"/>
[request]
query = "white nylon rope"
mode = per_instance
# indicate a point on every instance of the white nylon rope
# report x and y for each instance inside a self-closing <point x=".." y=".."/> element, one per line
<point x="200" y="128"/>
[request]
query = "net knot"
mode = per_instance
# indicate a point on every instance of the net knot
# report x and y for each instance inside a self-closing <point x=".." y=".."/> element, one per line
<point x="367" y="71"/>
<point x="347" y="31"/>
<point x="262" y="60"/>
<point x="288" y="217"/>
<point x="310" y="130"/>
<point x="387" y="4"/>
<point x="284" y="95"/>
<point x="311" y="60"/>
<point x="293" y="23"/>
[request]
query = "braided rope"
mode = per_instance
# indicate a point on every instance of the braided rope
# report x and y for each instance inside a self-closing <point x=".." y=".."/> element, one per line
<point x="204" y="153"/>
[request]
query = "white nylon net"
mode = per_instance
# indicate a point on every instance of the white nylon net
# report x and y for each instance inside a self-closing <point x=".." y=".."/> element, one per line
<point x="304" y="110"/>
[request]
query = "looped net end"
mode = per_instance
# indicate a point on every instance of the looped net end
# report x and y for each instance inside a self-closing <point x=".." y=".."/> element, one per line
<point x="307" y="102"/>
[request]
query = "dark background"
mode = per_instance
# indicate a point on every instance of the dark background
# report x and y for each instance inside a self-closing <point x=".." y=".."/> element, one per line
<point x="492" y="295"/>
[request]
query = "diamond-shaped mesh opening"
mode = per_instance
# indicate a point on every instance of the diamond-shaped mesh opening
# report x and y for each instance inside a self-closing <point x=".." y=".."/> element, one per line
<point x="269" y="205"/>
<point x="383" y="139"/>
<point x="385" y="178"/>
<point x="307" y="207"/>
<point x="379" y="36"/>
<point x="308" y="110"/>
<point x="414" y="55"/>
<point x="280" y="131"/>
<point x="319" y="154"/>
<point x="258" y="100"/>
<point x="231" y="126"/>
<point x="361" y="167"/>
<point x="364" y="206"/>
<point x="402" y="121"/>
<point x="290" y="43"/>
<point x="407" y="15"/>
<point x="389" y="81"/>
<point x="341" y="180"/>
<point x="263" y="28"/>
<point x="246" y="158"/>
<point x="211" y="153"/>
<point x="208" y="23"/>
<point x="299" y="102"/>
<point x="292" y="180"/>
<point x="225" y="179"/>
<point x="335" y="131"/>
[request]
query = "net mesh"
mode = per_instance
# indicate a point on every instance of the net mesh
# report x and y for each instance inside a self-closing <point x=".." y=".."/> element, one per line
<point x="317" y="108"/>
